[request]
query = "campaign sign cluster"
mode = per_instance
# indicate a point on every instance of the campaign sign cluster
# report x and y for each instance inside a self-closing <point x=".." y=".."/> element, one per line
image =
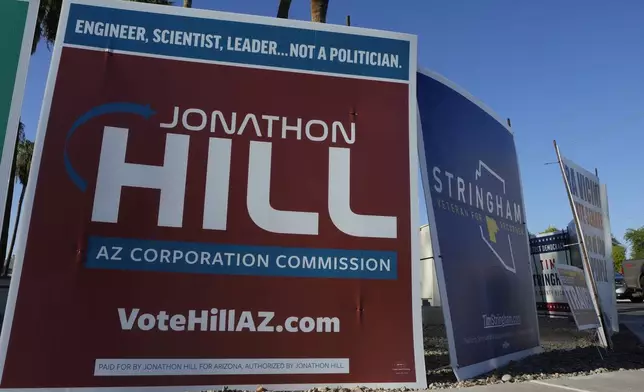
<point x="474" y="198"/>
<point x="591" y="206"/>
<point x="219" y="200"/>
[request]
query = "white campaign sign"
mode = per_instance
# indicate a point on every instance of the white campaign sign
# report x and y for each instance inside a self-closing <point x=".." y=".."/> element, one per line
<point x="551" y="299"/>
<point x="608" y="243"/>
<point x="587" y="196"/>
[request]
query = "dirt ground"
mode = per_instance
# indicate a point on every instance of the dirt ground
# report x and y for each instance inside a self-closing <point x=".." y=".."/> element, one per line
<point x="567" y="352"/>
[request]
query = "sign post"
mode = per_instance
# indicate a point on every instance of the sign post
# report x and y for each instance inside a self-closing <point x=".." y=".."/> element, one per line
<point x="584" y="197"/>
<point x="474" y="199"/>
<point x="17" y="25"/>
<point x="219" y="200"/>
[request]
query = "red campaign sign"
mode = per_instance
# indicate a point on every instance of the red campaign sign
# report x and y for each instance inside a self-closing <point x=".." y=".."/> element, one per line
<point x="202" y="224"/>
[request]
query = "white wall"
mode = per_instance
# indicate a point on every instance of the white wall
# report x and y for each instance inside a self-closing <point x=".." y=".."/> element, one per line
<point x="428" y="280"/>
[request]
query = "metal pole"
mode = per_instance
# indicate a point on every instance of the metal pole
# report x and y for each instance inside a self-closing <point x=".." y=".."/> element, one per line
<point x="603" y="333"/>
<point x="348" y="20"/>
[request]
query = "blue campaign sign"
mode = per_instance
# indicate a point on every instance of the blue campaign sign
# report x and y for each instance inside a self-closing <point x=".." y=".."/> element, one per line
<point x="474" y="199"/>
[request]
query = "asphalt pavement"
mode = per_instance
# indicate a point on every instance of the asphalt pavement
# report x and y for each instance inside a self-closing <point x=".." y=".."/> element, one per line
<point x="632" y="315"/>
<point x="627" y="308"/>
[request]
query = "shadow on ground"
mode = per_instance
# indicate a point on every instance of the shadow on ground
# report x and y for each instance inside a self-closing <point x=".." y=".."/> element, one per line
<point x="567" y="352"/>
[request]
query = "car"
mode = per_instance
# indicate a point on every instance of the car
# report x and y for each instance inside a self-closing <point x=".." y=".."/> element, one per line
<point x="633" y="273"/>
<point x="623" y="291"/>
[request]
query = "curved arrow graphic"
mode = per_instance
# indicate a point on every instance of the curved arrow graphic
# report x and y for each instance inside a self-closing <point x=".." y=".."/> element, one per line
<point x="108" y="108"/>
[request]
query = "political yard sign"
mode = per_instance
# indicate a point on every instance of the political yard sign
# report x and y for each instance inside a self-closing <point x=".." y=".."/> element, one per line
<point x="219" y="200"/>
<point x="587" y="196"/>
<point x="578" y="296"/>
<point x="474" y="198"/>
<point x="547" y="251"/>
<point x="610" y="262"/>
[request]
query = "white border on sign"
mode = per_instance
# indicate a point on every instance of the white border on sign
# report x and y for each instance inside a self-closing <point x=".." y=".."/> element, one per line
<point x="419" y="357"/>
<point x="8" y="149"/>
<point x="470" y="371"/>
<point x="15" y="107"/>
<point x="416" y="300"/>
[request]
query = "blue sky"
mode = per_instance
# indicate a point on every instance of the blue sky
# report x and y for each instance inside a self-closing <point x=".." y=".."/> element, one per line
<point x="566" y="70"/>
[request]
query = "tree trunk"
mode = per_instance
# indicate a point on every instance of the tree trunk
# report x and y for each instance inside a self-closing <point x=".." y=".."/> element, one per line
<point x="187" y="3"/>
<point x="15" y="228"/>
<point x="4" y="236"/>
<point x="283" y="9"/>
<point x="318" y="10"/>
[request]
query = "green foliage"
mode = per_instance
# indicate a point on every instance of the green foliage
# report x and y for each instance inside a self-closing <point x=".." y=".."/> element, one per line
<point x="635" y="239"/>
<point x="550" y="229"/>
<point x="619" y="255"/>
<point x="49" y="13"/>
<point x="23" y="160"/>
<point x="21" y="132"/>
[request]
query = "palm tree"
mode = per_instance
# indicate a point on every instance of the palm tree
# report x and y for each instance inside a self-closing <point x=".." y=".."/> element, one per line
<point x="283" y="8"/>
<point x="4" y="236"/>
<point x="318" y="10"/>
<point x="24" y="152"/>
<point x="49" y="13"/>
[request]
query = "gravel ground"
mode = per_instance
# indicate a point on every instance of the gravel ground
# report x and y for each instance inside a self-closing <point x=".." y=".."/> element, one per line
<point x="567" y="352"/>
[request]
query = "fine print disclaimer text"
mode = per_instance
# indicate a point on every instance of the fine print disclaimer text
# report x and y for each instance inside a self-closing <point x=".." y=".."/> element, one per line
<point x="237" y="366"/>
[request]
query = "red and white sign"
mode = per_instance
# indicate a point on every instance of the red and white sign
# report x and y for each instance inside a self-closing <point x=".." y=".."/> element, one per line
<point x="219" y="200"/>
